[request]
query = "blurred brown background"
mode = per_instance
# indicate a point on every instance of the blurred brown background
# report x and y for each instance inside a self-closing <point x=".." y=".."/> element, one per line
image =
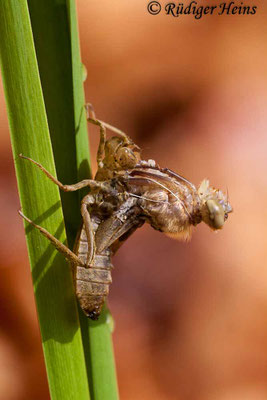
<point x="191" y="318"/>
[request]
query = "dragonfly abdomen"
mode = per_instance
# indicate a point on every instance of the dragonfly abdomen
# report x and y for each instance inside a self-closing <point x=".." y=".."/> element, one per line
<point x="92" y="285"/>
<point x="92" y="282"/>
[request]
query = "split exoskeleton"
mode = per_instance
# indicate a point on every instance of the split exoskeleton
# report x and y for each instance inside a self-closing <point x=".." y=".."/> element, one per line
<point x="125" y="193"/>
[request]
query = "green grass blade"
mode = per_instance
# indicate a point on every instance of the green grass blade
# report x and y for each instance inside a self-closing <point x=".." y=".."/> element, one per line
<point x="103" y="372"/>
<point x="40" y="201"/>
<point x="61" y="71"/>
<point x="49" y="20"/>
<point x="78" y="72"/>
<point x="97" y="339"/>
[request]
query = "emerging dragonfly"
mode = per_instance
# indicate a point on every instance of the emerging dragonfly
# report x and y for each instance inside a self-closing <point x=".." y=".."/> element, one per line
<point x="126" y="193"/>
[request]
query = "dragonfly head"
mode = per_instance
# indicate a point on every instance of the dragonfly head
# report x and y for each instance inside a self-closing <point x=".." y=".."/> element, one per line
<point x="215" y="206"/>
<point x="120" y="155"/>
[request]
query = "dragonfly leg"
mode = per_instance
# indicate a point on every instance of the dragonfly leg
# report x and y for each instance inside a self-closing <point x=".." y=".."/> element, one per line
<point x="87" y="201"/>
<point x="91" y="117"/>
<point x="103" y="135"/>
<point x="68" y="254"/>
<point x="91" y="183"/>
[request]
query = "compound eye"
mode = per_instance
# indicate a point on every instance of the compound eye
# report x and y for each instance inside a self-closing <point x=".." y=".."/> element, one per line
<point x="225" y="216"/>
<point x="218" y="221"/>
<point x="216" y="214"/>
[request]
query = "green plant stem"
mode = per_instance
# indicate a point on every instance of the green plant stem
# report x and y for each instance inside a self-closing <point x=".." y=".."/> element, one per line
<point x="97" y="339"/>
<point x="40" y="200"/>
<point x="49" y="20"/>
<point x="61" y="71"/>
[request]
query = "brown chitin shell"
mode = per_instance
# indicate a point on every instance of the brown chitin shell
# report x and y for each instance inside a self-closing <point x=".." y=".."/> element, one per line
<point x="91" y="283"/>
<point x="170" y="202"/>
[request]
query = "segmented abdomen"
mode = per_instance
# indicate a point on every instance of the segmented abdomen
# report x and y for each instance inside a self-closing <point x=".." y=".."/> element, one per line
<point x="92" y="283"/>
